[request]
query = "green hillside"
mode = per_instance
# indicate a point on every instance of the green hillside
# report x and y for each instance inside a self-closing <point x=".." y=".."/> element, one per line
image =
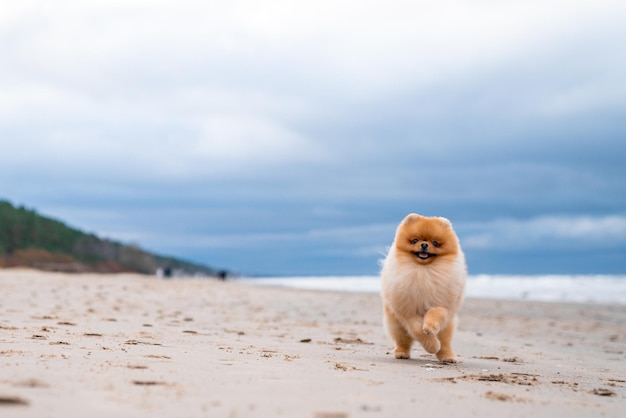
<point x="32" y="240"/>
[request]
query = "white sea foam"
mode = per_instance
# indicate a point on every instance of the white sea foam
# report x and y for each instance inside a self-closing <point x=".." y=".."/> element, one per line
<point x="547" y="288"/>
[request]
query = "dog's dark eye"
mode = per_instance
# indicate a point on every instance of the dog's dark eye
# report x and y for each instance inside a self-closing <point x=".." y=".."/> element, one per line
<point x="415" y="241"/>
<point x="436" y="244"/>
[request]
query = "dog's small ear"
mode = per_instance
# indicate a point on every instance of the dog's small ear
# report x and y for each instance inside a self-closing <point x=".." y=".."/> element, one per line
<point x="445" y="221"/>
<point x="410" y="218"/>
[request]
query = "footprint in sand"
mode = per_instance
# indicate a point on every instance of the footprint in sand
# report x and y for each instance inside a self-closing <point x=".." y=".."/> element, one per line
<point x="522" y="379"/>
<point x="603" y="392"/>
<point x="31" y="383"/>
<point x="12" y="401"/>
<point x="148" y="383"/>
<point x="158" y="356"/>
<point x="503" y="397"/>
<point x="137" y="366"/>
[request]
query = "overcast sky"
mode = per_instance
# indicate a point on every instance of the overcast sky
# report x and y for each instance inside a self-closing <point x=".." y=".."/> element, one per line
<point x="282" y="137"/>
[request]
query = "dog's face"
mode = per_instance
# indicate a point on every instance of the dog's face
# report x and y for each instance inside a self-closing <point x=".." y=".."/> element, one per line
<point x="426" y="240"/>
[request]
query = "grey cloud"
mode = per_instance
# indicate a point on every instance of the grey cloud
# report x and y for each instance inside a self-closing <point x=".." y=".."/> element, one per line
<point x="203" y="124"/>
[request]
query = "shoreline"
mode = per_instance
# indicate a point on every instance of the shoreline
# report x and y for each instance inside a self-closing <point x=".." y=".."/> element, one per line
<point x="72" y="345"/>
<point x="596" y="289"/>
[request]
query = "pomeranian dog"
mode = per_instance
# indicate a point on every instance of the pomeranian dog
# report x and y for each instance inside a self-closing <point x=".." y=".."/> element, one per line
<point x="423" y="283"/>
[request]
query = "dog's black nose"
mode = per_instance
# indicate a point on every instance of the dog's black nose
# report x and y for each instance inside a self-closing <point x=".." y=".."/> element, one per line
<point x="424" y="246"/>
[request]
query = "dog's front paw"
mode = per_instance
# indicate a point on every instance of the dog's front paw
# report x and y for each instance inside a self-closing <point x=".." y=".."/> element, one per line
<point x="446" y="355"/>
<point x="431" y="344"/>
<point x="430" y="329"/>
<point x="448" y="360"/>
<point x="400" y="354"/>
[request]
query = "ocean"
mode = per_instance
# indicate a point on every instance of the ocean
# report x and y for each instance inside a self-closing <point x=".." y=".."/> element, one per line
<point x="605" y="289"/>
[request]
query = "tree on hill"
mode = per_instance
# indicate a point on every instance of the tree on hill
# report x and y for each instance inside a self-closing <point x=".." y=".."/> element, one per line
<point x="29" y="239"/>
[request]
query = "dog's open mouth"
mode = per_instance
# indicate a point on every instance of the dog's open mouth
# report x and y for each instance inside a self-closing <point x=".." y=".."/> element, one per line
<point x="423" y="255"/>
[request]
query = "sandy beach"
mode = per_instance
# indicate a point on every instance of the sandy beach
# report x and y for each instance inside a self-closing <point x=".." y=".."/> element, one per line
<point x="81" y="345"/>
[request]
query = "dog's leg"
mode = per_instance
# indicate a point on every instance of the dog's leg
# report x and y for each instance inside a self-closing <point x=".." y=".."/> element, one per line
<point x="426" y="334"/>
<point x="435" y="320"/>
<point x="429" y="342"/>
<point x="445" y="354"/>
<point x="399" y="334"/>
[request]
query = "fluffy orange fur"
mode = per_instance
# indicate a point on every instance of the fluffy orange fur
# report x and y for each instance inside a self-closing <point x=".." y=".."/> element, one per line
<point x="423" y="283"/>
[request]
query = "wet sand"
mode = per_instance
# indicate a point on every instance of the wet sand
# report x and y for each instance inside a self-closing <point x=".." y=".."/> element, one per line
<point x="133" y="346"/>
